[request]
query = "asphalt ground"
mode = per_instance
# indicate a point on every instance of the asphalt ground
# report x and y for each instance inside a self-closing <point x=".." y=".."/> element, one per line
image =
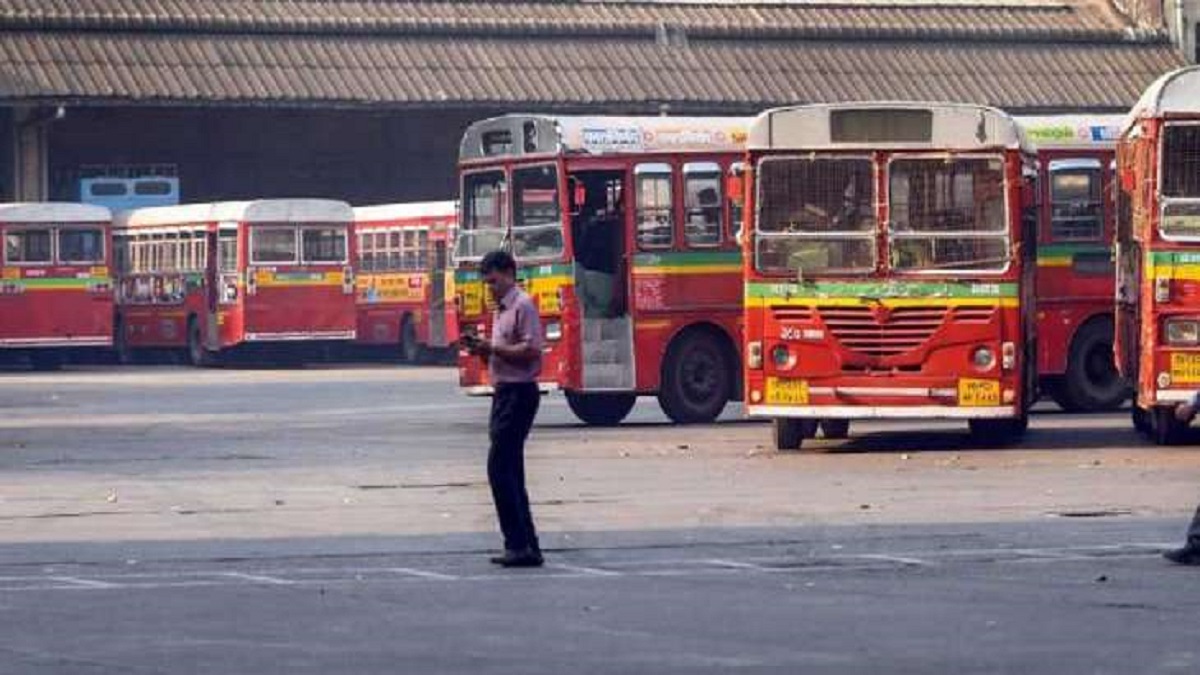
<point x="336" y="519"/>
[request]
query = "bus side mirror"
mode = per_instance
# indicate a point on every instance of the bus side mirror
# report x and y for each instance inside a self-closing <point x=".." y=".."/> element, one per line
<point x="578" y="192"/>
<point x="735" y="187"/>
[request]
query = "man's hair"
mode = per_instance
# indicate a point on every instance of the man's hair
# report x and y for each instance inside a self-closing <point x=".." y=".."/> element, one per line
<point x="498" y="261"/>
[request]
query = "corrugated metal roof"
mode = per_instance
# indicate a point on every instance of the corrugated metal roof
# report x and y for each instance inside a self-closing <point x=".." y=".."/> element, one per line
<point x="1035" y="54"/>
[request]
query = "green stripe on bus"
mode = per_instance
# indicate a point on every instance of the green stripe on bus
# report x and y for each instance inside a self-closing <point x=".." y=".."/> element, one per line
<point x="884" y="289"/>
<point x="1175" y="257"/>
<point x="687" y="258"/>
<point x="58" y="283"/>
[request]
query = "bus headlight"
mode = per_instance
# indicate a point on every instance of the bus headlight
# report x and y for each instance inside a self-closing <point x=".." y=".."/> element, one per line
<point x="1182" y="332"/>
<point x="553" y="330"/>
<point x="783" y="357"/>
<point x="754" y="355"/>
<point x="1008" y="356"/>
<point x="983" y="358"/>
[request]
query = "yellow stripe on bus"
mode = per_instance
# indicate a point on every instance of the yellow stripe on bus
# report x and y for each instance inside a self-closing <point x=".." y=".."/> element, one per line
<point x="688" y="269"/>
<point x="1186" y="272"/>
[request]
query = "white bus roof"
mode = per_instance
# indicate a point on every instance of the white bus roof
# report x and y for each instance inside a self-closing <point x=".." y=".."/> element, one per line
<point x="885" y="124"/>
<point x="379" y="213"/>
<point x="1176" y="93"/>
<point x="1071" y="131"/>
<point x="517" y="135"/>
<point x="53" y="212"/>
<point x="258" y="211"/>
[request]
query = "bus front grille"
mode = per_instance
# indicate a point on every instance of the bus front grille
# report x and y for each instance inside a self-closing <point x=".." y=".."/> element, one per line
<point x="882" y="331"/>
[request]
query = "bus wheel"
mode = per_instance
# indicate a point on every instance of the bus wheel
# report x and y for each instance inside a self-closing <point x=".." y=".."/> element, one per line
<point x="835" y="428"/>
<point x="789" y="432"/>
<point x="198" y="356"/>
<point x="697" y="379"/>
<point x="1002" y="431"/>
<point x="1164" y="428"/>
<point x="1092" y="382"/>
<point x="1141" y="419"/>
<point x="601" y="409"/>
<point x="410" y="349"/>
<point x="46" y="360"/>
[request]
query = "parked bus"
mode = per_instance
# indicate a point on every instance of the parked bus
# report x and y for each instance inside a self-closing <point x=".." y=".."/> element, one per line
<point x="55" y="288"/>
<point x="889" y="268"/>
<point x="235" y="278"/>
<point x="405" y="291"/>
<point x="1158" y="252"/>
<point x="1076" y="206"/>
<point x="627" y="243"/>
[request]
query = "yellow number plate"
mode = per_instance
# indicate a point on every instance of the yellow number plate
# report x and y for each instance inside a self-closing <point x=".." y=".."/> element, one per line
<point x="472" y="295"/>
<point x="786" y="392"/>
<point x="1185" y="368"/>
<point x="978" y="392"/>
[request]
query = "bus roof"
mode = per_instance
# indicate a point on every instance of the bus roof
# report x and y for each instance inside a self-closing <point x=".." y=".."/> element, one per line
<point x="53" y="212"/>
<point x="1177" y="92"/>
<point x="1071" y="131"/>
<point x="257" y="211"/>
<point x="388" y="212"/>
<point x="883" y="124"/>
<point x="520" y="135"/>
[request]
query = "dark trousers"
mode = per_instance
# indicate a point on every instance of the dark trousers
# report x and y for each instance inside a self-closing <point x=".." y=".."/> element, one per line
<point x="513" y="408"/>
<point x="1193" y="533"/>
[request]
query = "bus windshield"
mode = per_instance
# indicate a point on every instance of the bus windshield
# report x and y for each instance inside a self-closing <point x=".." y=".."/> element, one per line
<point x="483" y="214"/>
<point x="537" y="223"/>
<point x="947" y="214"/>
<point x="1181" y="181"/>
<point x="816" y="214"/>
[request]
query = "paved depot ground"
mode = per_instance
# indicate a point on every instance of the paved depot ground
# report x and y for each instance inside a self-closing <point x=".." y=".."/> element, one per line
<point x="336" y="520"/>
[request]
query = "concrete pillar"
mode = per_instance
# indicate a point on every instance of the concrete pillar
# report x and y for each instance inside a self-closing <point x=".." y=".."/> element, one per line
<point x="31" y="161"/>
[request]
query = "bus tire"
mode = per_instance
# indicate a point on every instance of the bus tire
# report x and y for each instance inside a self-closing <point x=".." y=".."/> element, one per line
<point x="410" y="349"/>
<point x="600" y="409"/>
<point x="46" y="360"/>
<point x="697" y="378"/>
<point x="1141" y="419"/>
<point x="835" y="428"/>
<point x="198" y="355"/>
<point x="789" y="433"/>
<point x="1091" y="382"/>
<point x="1164" y="428"/>
<point x="1002" y="431"/>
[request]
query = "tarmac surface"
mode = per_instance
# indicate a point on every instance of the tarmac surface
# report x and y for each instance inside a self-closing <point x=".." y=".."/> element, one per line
<point x="336" y="519"/>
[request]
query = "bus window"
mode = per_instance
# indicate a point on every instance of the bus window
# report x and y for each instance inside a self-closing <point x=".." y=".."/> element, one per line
<point x="227" y="252"/>
<point x="483" y="221"/>
<point x="81" y="245"/>
<point x="655" y="224"/>
<point x="816" y="214"/>
<point x="28" y="247"/>
<point x="1076" y="201"/>
<point x="948" y="214"/>
<point x="1181" y="181"/>
<point x="272" y="245"/>
<point x="323" y="245"/>
<point x="537" y="223"/>
<point x="702" y="204"/>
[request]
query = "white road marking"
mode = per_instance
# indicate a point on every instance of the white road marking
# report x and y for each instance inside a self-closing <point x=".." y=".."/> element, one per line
<point x="258" y="578"/>
<point x="592" y="571"/>
<point x="424" y="574"/>
<point x="903" y="560"/>
<point x="84" y="583"/>
<point x="734" y="564"/>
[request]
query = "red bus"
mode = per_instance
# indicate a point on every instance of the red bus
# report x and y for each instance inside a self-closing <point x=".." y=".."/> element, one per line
<point x="1158" y="252"/>
<point x="55" y="289"/>
<point x="405" y="291"/>
<point x="626" y="241"/>
<point x="235" y="278"/>
<point x="889" y="268"/>
<point x="1076" y="163"/>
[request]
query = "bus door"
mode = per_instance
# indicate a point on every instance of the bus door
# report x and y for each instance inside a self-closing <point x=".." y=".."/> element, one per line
<point x="212" y="293"/>
<point x="437" y="295"/>
<point x="598" y="200"/>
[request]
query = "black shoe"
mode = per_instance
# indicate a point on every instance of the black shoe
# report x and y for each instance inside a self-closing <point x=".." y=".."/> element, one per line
<point x="1188" y="555"/>
<point x="524" y="558"/>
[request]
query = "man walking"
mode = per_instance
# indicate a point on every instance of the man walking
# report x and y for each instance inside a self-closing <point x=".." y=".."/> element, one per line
<point x="1189" y="554"/>
<point x="514" y="358"/>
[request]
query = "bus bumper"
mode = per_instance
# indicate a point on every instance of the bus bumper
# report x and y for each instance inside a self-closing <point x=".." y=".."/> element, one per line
<point x="81" y="341"/>
<point x="488" y="390"/>
<point x="1173" y="396"/>
<point x="881" y="412"/>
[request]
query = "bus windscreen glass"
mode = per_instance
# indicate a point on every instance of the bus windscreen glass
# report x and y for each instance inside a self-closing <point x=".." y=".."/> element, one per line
<point x="537" y="222"/>
<point x="483" y="221"/>
<point x="816" y="214"/>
